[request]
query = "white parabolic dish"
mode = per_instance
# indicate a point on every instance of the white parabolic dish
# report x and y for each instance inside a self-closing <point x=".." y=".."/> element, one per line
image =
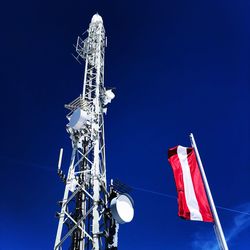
<point x="122" y="208"/>
<point x="78" y="119"/>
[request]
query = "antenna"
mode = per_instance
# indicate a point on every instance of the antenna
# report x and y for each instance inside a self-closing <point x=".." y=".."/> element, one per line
<point x="60" y="159"/>
<point x="90" y="210"/>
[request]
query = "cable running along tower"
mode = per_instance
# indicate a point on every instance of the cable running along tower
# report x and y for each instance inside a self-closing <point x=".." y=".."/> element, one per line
<point x="91" y="210"/>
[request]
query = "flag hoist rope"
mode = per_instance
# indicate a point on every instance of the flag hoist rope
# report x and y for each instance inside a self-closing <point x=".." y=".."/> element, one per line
<point x="218" y="229"/>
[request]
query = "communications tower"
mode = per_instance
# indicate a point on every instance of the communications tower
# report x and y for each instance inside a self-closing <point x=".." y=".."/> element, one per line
<point x="91" y="210"/>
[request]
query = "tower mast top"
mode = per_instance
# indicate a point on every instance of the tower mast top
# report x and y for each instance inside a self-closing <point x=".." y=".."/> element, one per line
<point x="96" y="18"/>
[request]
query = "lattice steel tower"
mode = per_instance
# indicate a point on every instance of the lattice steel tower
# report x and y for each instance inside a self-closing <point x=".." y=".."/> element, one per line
<point x="90" y="211"/>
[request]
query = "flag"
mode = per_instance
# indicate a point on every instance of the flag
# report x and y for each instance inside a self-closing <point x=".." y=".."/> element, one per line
<point x="192" y="199"/>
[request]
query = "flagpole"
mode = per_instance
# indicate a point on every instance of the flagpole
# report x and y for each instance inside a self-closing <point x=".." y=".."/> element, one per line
<point x="222" y="241"/>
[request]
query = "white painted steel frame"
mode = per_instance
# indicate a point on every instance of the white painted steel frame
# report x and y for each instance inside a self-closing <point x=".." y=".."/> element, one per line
<point x="88" y="155"/>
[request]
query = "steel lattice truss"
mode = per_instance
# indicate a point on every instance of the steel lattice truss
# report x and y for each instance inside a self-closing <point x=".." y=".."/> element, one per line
<point x="83" y="216"/>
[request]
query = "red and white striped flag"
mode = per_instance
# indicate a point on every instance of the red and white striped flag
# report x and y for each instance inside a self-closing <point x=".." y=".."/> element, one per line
<point x="192" y="199"/>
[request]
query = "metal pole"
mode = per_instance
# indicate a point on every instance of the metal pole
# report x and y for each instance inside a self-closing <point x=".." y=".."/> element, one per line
<point x="222" y="240"/>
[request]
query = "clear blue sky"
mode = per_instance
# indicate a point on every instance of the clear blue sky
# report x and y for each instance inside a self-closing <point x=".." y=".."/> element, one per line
<point x="178" y="67"/>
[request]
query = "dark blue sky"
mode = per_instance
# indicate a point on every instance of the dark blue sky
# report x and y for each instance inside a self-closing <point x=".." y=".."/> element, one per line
<point x="178" y="67"/>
